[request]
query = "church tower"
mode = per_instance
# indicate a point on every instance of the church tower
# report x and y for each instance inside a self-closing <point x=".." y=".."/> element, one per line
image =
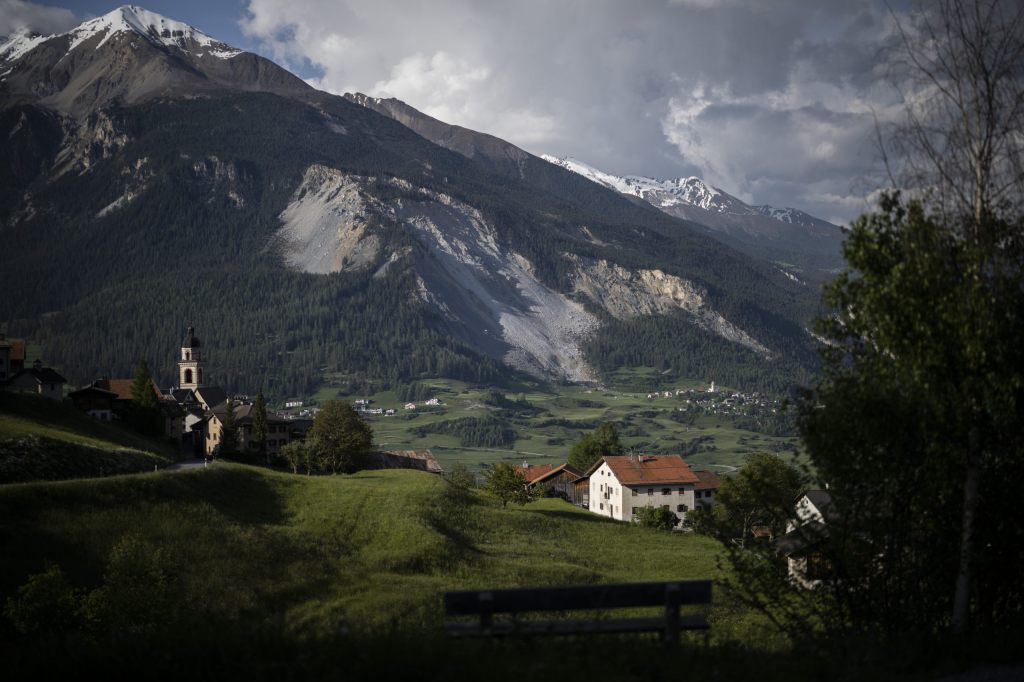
<point x="190" y="368"/>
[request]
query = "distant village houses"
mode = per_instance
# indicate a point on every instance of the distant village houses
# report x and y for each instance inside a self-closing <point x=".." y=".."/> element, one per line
<point x="20" y="375"/>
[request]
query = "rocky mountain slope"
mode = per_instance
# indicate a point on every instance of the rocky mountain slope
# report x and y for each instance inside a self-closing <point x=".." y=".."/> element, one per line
<point x="154" y="176"/>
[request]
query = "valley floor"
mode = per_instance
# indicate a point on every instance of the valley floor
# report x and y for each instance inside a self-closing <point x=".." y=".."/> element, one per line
<point x="557" y="417"/>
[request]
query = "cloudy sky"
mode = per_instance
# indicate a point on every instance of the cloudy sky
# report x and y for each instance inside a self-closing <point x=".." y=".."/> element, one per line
<point x="771" y="100"/>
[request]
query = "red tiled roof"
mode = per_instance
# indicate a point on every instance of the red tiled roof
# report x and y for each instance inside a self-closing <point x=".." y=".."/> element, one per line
<point x="123" y="387"/>
<point x="708" y="480"/>
<point x="534" y="471"/>
<point x="640" y="469"/>
<point x="552" y="471"/>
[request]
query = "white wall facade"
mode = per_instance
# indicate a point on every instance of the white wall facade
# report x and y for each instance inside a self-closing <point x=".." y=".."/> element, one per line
<point x="805" y="512"/>
<point x="606" y="493"/>
<point x="608" y="497"/>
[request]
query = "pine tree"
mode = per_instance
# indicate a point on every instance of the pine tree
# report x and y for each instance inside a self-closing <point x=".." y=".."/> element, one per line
<point x="144" y="413"/>
<point x="142" y="387"/>
<point x="259" y="427"/>
<point x="229" y="432"/>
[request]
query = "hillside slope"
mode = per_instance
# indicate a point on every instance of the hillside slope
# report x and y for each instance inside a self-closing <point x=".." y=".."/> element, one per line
<point x="44" y="440"/>
<point x="325" y="552"/>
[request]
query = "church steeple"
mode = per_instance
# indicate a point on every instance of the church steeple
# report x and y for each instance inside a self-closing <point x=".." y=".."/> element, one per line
<point x="190" y="368"/>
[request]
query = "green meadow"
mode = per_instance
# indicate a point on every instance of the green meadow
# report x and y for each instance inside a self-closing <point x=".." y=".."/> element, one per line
<point x="240" y="572"/>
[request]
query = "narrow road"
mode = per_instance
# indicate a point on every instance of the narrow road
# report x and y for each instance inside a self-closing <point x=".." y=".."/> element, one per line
<point x="187" y="464"/>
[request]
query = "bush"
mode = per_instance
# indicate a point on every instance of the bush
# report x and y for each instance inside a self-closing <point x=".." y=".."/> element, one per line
<point x="460" y="476"/>
<point x="655" y="517"/>
<point x="45" y="604"/>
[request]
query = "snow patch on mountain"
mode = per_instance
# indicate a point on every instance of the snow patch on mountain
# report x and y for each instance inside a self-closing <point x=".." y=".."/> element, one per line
<point x="790" y="275"/>
<point x="18" y="44"/>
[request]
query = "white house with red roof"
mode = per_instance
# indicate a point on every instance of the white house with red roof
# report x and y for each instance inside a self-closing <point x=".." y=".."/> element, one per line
<point x="623" y="483"/>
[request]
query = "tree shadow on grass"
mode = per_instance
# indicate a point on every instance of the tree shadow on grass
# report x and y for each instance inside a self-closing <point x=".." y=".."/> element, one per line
<point x="571" y="515"/>
<point x="241" y="495"/>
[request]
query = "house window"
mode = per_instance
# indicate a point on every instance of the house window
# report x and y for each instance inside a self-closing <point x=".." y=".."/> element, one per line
<point x="666" y="491"/>
<point x="188" y="376"/>
<point x="602" y="487"/>
<point x="707" y="493"/>
<point x="634" y="492"/>
<point x="681" y="507"/>
<point x="665" y="507"/>
<point x="601" y="505"/>
<point x="650" y="491"/>
<point x="696" y="493"/>
<point x="680" y="491"/>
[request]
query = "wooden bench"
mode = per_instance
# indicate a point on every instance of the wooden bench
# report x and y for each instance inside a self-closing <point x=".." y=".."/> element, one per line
<point x="486" y="604"/>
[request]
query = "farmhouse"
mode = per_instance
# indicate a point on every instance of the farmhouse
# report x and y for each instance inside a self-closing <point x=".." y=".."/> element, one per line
<point x="813" y="512"/>
<point x="12" y="357"/>
<point x="96" y="402"/>
<point x="40" y="380"/>
<point x="558" y="480"/>
<point x="706" y="488"/>
<point x="624" y="483"/>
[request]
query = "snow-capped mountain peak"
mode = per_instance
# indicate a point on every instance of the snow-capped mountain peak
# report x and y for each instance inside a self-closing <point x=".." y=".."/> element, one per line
<point x="157" y="29"/>
<point x="684" y="192"/>
<point x="662" y="193"/>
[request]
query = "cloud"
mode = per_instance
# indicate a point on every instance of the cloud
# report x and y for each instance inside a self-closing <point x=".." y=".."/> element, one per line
<point x="17" y="16"/>
<point x="776" y="106"/>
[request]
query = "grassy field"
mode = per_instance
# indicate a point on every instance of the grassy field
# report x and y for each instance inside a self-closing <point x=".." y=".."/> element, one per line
<point x="562" y="414"/>
<point x="362" y="551"/>
<point x="238" y="572"/>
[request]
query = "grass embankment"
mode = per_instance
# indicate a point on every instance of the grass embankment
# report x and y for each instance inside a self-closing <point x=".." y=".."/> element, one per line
<point x="234" y="571"/>
<point x="44" y="440"/>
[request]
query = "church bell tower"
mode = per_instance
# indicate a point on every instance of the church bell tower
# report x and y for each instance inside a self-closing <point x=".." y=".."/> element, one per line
<point x="190" y="367"/>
